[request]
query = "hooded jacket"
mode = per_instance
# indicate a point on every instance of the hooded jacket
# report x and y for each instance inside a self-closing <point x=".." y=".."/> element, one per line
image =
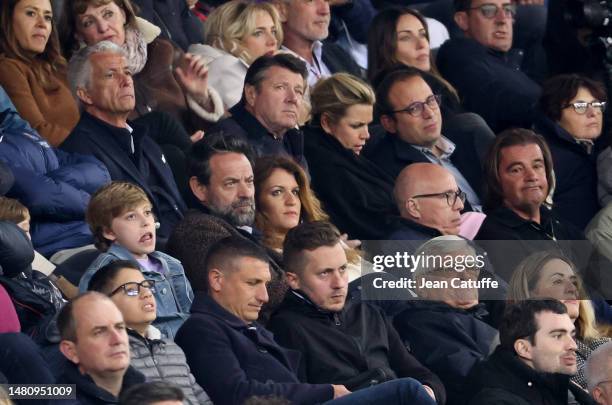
<point x="357" y="347"/>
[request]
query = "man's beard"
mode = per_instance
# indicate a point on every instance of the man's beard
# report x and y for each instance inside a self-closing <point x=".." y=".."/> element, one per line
<point x="234" y="216"/>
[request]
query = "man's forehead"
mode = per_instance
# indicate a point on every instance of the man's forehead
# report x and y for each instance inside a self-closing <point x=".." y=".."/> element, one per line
<point x="326" y="257"/>
<point x="252" y="268"/>
<point x="526" y="152"/>
<point x="413" y="88"/>
<point x="477" y="3"/>
<point x="230" y="163"/>
<point x="549" y="321"/>
<point x="106" y="60"/>
<point x="279" y="74"/>
<point x="94" y="312"/>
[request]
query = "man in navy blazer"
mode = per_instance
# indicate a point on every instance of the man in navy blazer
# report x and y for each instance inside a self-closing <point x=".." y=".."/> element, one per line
<point x="103" y="84"/>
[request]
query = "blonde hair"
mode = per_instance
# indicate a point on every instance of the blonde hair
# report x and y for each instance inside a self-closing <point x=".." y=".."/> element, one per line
<point x="109" y="202"/>
<point x="334" y="95"/>
<point x="228" y="25"/>
<point x="526" y="277"/>
<point x="13" y="211"/>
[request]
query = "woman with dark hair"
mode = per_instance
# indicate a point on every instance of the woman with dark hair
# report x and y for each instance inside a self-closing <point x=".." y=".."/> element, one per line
<point x="32" y="69"/>
<point x="399" y="36"/>
<point x="355" y="192"/>
<point x="165" y="78"/>
<point x="571" y="121"/>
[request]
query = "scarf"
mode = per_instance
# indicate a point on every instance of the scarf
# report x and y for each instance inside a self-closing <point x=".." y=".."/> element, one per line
<point x="135" y="48"/>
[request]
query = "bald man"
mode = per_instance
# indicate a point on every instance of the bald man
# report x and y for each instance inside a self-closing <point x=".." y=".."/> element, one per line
<point x="598" y="373"/>
<point x="429" y="202"/>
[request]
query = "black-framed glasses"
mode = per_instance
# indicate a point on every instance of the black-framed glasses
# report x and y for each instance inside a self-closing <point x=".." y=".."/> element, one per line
<point x="132" y="289"/>
<point x="416" y="109"/>
<point x="451" y="196"/>
<point x="581" y="107"/>
<point x="489" y="10"/>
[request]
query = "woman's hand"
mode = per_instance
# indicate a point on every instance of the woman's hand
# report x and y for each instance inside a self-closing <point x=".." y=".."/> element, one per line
<point x="193" y="76"/>
<point x="197" y="136"/>
<point x="353" y="243"/>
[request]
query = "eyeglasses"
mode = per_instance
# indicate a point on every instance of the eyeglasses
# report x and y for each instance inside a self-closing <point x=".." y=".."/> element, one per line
<point x="416" y="109"/>
<point x="489" y="10"/>
<point x="581" y="107"/>
<point x="132" y="289"/>
<point x="451" y="196"/>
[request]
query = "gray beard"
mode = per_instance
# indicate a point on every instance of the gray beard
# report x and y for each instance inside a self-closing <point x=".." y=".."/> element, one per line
<point x="234" y="217"/>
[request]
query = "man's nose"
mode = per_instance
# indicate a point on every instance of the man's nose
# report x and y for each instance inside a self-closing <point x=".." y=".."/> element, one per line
<point x="323" y="7"/>
<point x="459" y="205"/>
<point x="262" y="294"/>
<point x="570" y="344"/>
<point x="245" y="189"/>
<point x="117" y="336"/>
<point x="337" y="280"/>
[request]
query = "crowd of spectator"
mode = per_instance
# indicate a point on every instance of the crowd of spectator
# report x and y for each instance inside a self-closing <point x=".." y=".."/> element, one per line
<point x="213" y="202"/>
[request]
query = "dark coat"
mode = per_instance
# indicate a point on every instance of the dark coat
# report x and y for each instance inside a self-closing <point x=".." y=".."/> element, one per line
<point x="342" y="347"/>
<point x="508" y="238"/>
<point x="503" y="379"/>
<point x="357" y="195"/>
<point x="53" y="184"/>
<point x="88" y="393"/>
<point x="233" y="361"/>
<point x="147" y="168"/>
<point x="21" y="361"/>
<point x="392" y="155"/>
<point x="244" y="124"/>
<point x="575" y="196"/>
<point x="488" y="83"/>
<point x="447" y="340"/>
<point x="177" y="23"/>
<point x="338" y="60"/>
<point x="405" y="229"/>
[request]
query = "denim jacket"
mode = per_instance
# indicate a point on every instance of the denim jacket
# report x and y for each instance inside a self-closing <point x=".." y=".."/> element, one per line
<point x="173" y="292"/>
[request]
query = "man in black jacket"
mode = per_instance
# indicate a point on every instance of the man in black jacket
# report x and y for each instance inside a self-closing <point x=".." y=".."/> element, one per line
<point x="267" y="115"/>
<point x="95" y="341"/>
<point x="347" y="343"/>
<point x="534" y="361"/>
<point x="410" y="113"/>
<point x="103" y="84"/>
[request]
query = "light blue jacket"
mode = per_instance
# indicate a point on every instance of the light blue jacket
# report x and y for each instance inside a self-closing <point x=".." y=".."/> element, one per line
<point x="173" y="292"/>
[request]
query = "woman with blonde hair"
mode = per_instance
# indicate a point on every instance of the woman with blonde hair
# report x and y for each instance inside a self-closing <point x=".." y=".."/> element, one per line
<point x="549" y="274"/>
<point x="237" y="33"/>
<point x="32" y="69"/>
<point x="355" y="193"/>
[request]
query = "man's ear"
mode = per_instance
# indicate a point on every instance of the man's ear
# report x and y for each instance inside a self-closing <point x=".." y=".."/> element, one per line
<point x="293" y="280"/>
<point x="84" y="96"/>
<point x="199" y="190"/>
<point x="461" y="19"/>
<point x="68" y="349"/>
<point x="597" y="395"/>
<point x="412" y="208"/>
<point x="522" y="347"/>
<point x="250" y="94"/>
<point x="215" y="277"/>
<point x="281" y="7"/>
<point x="388" y="123"/>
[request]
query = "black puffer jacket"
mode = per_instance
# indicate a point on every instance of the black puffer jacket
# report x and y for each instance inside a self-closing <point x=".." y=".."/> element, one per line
<point x="36" y="299"/>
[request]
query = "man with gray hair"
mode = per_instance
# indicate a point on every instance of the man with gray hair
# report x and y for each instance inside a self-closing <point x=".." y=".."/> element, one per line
<point x="598" y="372"/>
<point x="102" y="83"/>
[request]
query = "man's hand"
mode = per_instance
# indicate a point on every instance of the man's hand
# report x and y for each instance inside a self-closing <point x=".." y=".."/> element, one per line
<point x="430" y="392"/>
<point x="193" y="76"/>
<point x="340" y="391"/>
<point x="197" y="136"/>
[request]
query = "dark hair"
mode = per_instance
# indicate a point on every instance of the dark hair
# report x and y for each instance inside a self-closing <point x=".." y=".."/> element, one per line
<point x="505" y="139"/>
<point x="382" y="38"/>
<point x="151" y="392"/>
<point x="222" y="255"/>
<point x="103" y="278"/>
<point x="203" y="150"/>
<point x="462" y="5"/>
<point x="45" y="64"/>
<point x="307" y="236"/>
<point x="66" y="324"/>
<point x="558" y="91"/>
<point x="519" y="320"/>
<point x="385" y="80"/>
<point x="257" y="71"/>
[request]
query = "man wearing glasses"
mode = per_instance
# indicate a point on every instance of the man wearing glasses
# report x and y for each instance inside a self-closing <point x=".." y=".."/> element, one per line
<point x="158" y="359"/>
<point x="479" y="66"/>
<point x="410" y="113"/>
<point x="599" y="374"/>
<point x="429" y="203"/>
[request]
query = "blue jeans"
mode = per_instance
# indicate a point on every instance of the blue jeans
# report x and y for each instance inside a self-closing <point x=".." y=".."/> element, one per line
<point x="403" y="391"/>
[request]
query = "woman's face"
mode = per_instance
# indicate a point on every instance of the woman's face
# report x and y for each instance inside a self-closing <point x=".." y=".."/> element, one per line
<point x="32" y="25"/>
<point x="558" y="280"/>
<point x="103" y="23"/>
<point x="279" y="201"/>
<point x="582" y="126"/>
<point x="352" y="129"/>
<point x="412" y="45"/>
<point x="263" y="39"/>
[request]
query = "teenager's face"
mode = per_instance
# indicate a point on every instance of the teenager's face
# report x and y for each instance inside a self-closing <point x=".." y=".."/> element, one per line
<point x="134" y="230"/>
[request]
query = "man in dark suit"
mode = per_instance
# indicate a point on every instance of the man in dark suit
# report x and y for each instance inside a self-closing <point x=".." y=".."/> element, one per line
<point x="103" y="84"/>
<point x="410" y="113"/>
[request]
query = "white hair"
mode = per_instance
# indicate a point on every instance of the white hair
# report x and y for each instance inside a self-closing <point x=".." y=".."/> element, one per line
<point x="598" y="367"/>
<point x="79" y="68"/>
